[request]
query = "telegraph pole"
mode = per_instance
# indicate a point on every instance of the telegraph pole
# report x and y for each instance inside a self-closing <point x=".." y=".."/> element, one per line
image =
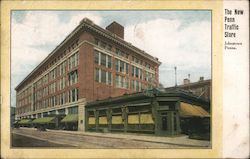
<point x="175" y="68"/>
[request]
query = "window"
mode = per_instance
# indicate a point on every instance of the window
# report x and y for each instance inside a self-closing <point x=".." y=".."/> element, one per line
<point x="109" y="78"/>
<point x="103" y="76"/>
<point x="103" y="45"/>
<point x="73" y="110"/>
<point x="73" y="95"/>
<point x="121" y="66"/>
<point x="103" y="59"/>
<point x="122" y="82"/>
<point x="136" y="85"/>
<point x="109" y="47"/>
<point x="97" y="41"/>
<point x="73" y="77"/>
<point x="96" y="57"/>
<point x="73" y="61"/>
<point x="109" y="61"/>
<point x="97" y="77"/>
<point x="121" y="53"/>
<point x="136" y="72"/>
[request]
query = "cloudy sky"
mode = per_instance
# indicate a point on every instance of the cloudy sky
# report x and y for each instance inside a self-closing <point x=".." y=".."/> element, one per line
<point x="177" y="38"/>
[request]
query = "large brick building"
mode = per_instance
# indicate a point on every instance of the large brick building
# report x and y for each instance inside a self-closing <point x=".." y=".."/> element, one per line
<point x="90" y="64"/>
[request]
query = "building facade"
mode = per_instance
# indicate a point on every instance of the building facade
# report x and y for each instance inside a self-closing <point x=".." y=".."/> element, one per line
<point x="90" y="64"/>
<point x="151" y="111"/>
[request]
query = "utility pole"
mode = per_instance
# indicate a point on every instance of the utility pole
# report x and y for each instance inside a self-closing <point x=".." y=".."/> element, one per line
<point x="175" y="68"/>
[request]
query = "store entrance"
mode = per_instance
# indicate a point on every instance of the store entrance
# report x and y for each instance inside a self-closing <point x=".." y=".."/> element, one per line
<point x="164" y="120"/>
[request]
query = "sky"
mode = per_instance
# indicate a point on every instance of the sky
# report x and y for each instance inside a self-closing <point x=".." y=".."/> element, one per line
<point x="178" y="38"/>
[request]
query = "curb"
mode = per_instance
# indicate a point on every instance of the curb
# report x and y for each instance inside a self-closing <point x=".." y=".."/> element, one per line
<point x="114" y="137"/>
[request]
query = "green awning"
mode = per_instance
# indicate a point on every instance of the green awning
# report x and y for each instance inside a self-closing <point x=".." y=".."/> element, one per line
<point x="70" y="118"/>
<point x="45" y="120"/>
<point x="24" y="121"/>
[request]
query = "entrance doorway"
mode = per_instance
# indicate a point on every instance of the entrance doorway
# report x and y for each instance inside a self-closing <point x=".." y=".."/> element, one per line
<point x="164" y="123"/>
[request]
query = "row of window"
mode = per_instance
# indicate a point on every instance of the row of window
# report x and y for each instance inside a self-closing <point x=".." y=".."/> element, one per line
<point x="22" y="110"/>
<point x="121" y="66"/>
<point x="24" y="101"/>
<point x="73" y="78"/>
<point x="60" y="70"/>
<point x="24" y="93"/>
<point x="105" y="77"/>
<point x="73" y="45"/>
<point x="122" y="53"/>
<point x="103" y="45"/>
<point x="60" y="99"/>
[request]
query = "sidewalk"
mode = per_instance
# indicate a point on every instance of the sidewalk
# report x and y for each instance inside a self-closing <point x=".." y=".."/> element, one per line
<point x="179" y="140"/>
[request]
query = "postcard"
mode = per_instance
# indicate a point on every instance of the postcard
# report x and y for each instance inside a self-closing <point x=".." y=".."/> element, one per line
<point x="141" y="79"/>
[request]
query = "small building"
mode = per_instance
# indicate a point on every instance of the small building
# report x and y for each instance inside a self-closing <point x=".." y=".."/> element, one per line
<point x="201" y="88"/>
<point x="160" y="112"/>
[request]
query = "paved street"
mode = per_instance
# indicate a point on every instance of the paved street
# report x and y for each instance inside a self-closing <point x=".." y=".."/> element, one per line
<point x="55" y="138"/>
<point x="24" y="141"/>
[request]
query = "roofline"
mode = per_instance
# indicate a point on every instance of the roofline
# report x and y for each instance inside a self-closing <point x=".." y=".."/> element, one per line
<point x="156" y="93"/>
<point x="85" y="21"/>
<point x="190" y="84"/>
<point x="194" y="83"/>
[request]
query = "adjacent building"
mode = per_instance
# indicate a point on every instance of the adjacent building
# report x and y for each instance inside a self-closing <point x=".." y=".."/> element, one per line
<point x="170" y="112"/>
<point x="91" y="63"/>
<point x="201" y="88"/>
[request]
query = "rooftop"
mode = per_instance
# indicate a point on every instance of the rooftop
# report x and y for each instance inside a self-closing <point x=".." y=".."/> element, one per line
<point x="172" y="92"/>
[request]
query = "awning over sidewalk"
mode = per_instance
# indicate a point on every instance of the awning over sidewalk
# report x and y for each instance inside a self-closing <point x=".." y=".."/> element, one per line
<point x="25" y="121"/>
<point x="70" y="118"/>
<point x="45" y="120"/>
<point x="188" y="110"/>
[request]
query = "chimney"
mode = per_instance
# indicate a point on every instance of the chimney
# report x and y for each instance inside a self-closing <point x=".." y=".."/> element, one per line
<point x="186" y="81"/>
<point x="201" y="79"/>
<point x="116" y="28"/>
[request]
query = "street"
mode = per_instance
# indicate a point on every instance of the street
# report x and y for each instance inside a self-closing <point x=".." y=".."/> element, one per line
<point x="30" y="137"/>
<point x="24" y="141"/>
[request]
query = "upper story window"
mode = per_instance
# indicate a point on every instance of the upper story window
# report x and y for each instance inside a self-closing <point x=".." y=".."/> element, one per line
<point x="103" y="59"/>
<point x="136" y="85"/>
<point x="45" y="79"/>
<point x="73" y="77"/>
<point x="73" y="95"/>
<point x="121" y="53"/>
<point x="121" y="66"/>
<point x="52" y="74"/>
<point x="73" y="60"/>
<point x="149" y="77"/>
<point x="62" y="68"/>
<point x="103" y="45"/>
<point x="122" y="82"/>
<point x="103" y="76"/>
<point x="136" y="72"/>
